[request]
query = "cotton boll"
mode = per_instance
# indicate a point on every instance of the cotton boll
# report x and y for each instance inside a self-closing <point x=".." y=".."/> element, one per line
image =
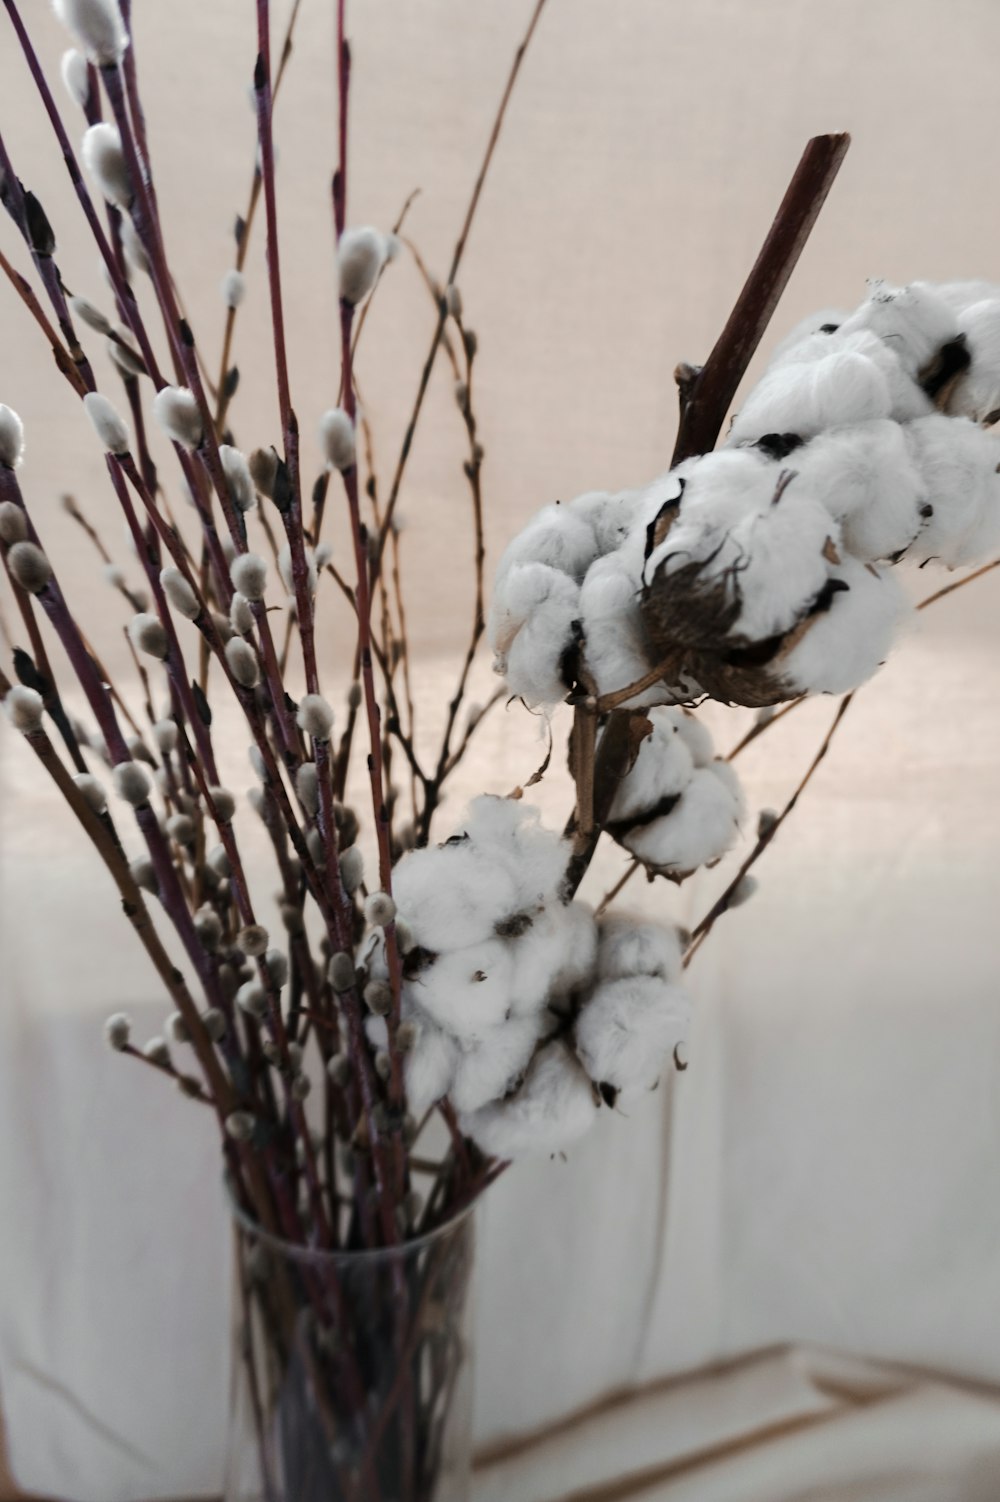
<point x="510" y="832"/>
<point x="866" y="479"/>
<point x="779" y="560"/>
<point x="557" y="537"/>
<point x="958" y="296"/>
<point x="531" y="628"/>
<point x="626" y="1031"/>
<point x="104" y="159"/>
<point x="628" y="944"/>
<point x="552" y="957"/>
<point x="429" y="1067"/>
<point x="957" y="462"/>
<point x="615" y="644"/>
<point x="844" y="387"/>
<point x="813" y="328"/>
<point x="466" y="991"/>
<point x="846" y="644"/>
<point x="609" y="517"/>
<point x="176" y="410"/>
<point x="554" y="1108"/>
<point x="976" y="392"/>
<point x="699" y="830"/>
<point x="906" y="398"/>
<point x="579" y="939"/>
<point x="11" y="438"/>
<point x="451" y="896"/>
<point x="490" y="1068"/>
<point x="661" y="771"/>
<point x="914" y="321"/>
<point x="697" y="737"/>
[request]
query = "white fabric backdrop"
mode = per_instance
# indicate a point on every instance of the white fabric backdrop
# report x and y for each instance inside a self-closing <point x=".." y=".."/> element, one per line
<point x="829" y="1170"/>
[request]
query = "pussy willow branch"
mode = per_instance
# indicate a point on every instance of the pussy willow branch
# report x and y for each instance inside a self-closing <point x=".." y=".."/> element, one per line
<point x="707" y="396"/>
<point x="456" y="261"/>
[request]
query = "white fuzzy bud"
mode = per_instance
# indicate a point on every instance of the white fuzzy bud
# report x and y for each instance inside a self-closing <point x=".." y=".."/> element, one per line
<point x="11" y="437"/>
<point x="253" y="940"/>
<point x="257" y="762"/>
<point x="233" y="288"/>
<point x="766" y="820"/>
<point x="315" y="717"/>
<point x="378" y="997"/>
<point x="301" y="1086"/>
<point x="128" y="361"/>
<point x="93" y="792"/>
<point x="25" y="708"/>
<point x="179" y="592"/>
<point x="176" y="410"/>
<point x="208" y="927"/>
<point x="257" y="801"/>
<point x="97" y="26"/>
<point x="110" y="427"/>
<point x="380" y="909"/>
<point x="224" y="803"/>
<point x="157" y="1052"/>
<point x="406" y="1036"/>
<point x="180" y="827"/>
<point x="76" y="80"/>
<point x="142" y="873"/>
<point x="215" y="1023"/>
<point x="277" y="967"/>
<point x="323" y="555"/>
<point x="248" y="572"/>
<point x="139" y="750"/>
<point x="240" y="1125"/>
<point x="287" y="573"/>
<point x="336" y="436"/>
<point x="238" y="477"/>
<point x="166" y="736"/>
<point x="242" y="660"/>
<point x="178" y="1029"/>
<point x="338" y="1067"/>
<point x="307" y="787"/>
<point x="131" y="782"/>
<point x="341" y="971"/>
<point x="453" y="300"/>
<point x="146" y="633"/>
<point x="743" y="891"/>
<point x="240" y="614"/>
<point x="118" y="1031"/>
<point x="352" y="869"/>
<point x="354" y="696"/>
<point x="135" y="251"/>
<point x="218" y="861"/>
<point x="105" y="161"/>
<point x="314" y="844"/>
<point x="90" y="315"/>
<point x="359" y="260"/>
<point x="13" y="523"/>
<point x="30" y="567"/>
<point x="250" y="998"/>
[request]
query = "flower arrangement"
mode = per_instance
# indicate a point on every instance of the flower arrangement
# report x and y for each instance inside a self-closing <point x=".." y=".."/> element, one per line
<point x="461" y="994"/>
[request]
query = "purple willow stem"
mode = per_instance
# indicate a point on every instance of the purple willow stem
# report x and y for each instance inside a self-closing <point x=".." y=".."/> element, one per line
<point x="46" y="267"/>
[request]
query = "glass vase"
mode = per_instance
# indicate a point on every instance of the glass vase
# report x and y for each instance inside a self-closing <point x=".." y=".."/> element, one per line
<point x="351" y="1371"/>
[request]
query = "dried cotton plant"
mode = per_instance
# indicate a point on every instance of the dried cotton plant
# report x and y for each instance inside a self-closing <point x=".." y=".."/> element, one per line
<point x="462" y="982"/>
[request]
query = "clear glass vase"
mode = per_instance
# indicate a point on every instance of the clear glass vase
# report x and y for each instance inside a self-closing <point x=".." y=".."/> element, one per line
<point x="351" y="1371"/>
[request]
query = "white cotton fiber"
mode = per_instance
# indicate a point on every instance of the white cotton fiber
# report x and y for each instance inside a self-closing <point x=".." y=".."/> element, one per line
<point x="530" y="629"/>
<point x="615" y="645"/>
<point x="913" y="321"/>
<point x="626" y="1031"/>
<point x="961" y="295"/>
<point x="807" y="398"/>
<point x="846" y="644"/>
<point x="699" y="830"/>
<point x="451" y="896"/>
<point x="976" y="393"/>
<point x="865" y="478"/>
<point x="628" y="944"/>
<point x="957" y="462"/>
<point x="430" y="1066"/>
<point x="552" y="957"/>
<point x="814" y="327"/>
<point x="579" y="951"/>
<point x="558" y="537"/>
<point x="490" y="1068"/>
<point x="697" y="737"/>
<point x="466" y="991"/>
<point x="662" y="768"/>
<point x="779" y="561"/>
<point x="554" y="1107"/>
<point x="510" y="832"/>
<point x="609" y="517"/>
